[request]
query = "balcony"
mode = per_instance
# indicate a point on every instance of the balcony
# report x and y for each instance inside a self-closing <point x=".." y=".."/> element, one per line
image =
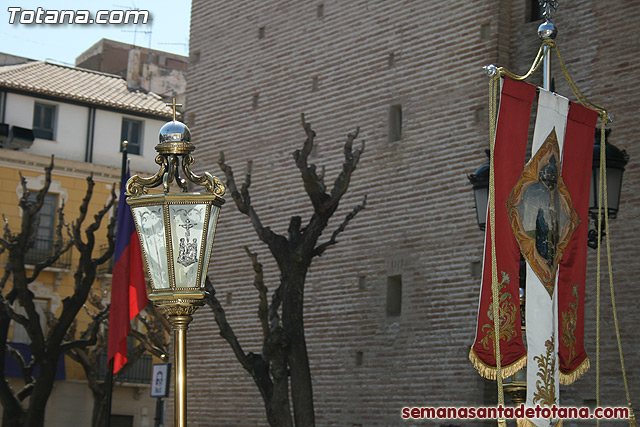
<point x="43" y="249"/>
<point x="137" y="373"/>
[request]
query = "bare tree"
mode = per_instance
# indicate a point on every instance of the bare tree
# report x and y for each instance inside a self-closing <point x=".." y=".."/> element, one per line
<point x="154" y="339"/>
<point x="284" y="347"/>
<point x="46" y="346"/>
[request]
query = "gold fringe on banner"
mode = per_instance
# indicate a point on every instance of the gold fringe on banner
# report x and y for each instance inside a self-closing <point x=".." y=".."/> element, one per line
<point x="489" y="372"/>
<point x="576" y="374"/>
<point x="526" y="422"/>
<point x="632" y="417"/>
<point x="502" y="423"/>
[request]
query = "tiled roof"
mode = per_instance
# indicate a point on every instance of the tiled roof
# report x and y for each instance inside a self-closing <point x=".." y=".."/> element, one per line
<point x="78" y="84"/>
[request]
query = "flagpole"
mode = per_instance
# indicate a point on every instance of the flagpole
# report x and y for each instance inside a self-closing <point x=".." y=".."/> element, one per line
<point x="547" y="31"/>
<point x="109" y="379"/>
<point x="109" y="385"/>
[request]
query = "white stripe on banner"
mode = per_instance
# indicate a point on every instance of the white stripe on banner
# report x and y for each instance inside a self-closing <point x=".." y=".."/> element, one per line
<point x="541" y="310"/>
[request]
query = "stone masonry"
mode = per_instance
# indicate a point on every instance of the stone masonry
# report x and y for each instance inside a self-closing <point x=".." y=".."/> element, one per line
<point x="255" y="66"/>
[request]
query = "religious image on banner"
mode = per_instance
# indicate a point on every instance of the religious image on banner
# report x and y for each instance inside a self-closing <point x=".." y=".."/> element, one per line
<point x="541" y="212"/>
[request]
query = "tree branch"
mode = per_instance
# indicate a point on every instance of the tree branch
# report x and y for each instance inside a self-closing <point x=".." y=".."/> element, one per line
<point x="351" y="160"/>
<point x="263" y="306"/>
<point x="5" y="306"/>
<point x="26" y="391"/>
<point x="98" y="217"/>
<point x="243" y="203"/>
<point x="84" y="208"/>
<point x="313" y="183"/>
<point x="4" y="279"/>
<point x="319" y="250"/>
<point x="91" y="332"/>
<point x="25" y="369"/>
<point x="226" y="331"/>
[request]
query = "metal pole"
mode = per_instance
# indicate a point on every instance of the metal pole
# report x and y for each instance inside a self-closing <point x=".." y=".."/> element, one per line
<point x="159" y="418"/>
<point x="546" y="69"/>
<point x="109" y="386"/>
<point x="180" y="325"/>
<point x="547" y="31"/>
<point x="109" y="378"/>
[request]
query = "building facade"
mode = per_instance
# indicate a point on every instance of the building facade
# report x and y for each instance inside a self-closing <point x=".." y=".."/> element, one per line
<point x="409" y="75"/>
<point x="144" y="69"/>
<point x="80" y="117"/>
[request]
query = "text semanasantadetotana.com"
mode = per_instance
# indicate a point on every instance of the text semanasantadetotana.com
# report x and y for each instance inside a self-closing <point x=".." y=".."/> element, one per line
<point x="500" y="412"/>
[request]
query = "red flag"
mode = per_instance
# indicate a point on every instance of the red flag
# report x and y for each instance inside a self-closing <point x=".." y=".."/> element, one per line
<point x="509" y="155"/>
<point x="128" y="287"/>
<point x="576" y="172"/>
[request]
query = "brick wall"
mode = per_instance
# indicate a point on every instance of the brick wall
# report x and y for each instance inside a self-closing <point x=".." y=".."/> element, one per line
<point x="246" y="90"/>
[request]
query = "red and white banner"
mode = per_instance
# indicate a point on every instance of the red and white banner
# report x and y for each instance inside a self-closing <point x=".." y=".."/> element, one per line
<point x="541" y="212"/>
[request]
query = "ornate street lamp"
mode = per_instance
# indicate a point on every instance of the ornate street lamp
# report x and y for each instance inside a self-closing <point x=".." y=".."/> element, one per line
<point x="616" y="161"/>
<point x="480" y="181"/>
<point x="176" y="233"/>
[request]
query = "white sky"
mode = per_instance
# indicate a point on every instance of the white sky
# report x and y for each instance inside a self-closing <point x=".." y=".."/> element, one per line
<point x="168" y="31"/>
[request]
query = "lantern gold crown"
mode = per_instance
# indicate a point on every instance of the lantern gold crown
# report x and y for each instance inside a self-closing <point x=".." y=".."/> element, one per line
<point x="174" y="144"/>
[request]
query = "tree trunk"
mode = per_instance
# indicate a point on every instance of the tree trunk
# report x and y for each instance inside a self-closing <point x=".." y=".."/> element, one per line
<point x="13" y="418"/>
<point x="41" y="392"/>
<point x="99" y="407"/>
<point x="298" y="360"/>
<point x="277" y="405"/>
<point x="12" y="412"/>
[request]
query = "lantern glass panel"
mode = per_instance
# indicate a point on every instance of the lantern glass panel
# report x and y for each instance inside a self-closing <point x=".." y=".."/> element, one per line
<point x="482" y="201"/>
<point x="187" y="228"/>
<point x="213" y="221"/>
<point x="150" y="221"/>
<point x="614" y="180"/>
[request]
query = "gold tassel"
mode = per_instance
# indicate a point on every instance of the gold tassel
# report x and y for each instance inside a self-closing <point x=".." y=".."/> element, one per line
<point x="526" y="422"/>
<point x="576" y="374"/>
<point x="632" y="417"/>
<point x="489" y="372"/>
<point x="502" y="423"/>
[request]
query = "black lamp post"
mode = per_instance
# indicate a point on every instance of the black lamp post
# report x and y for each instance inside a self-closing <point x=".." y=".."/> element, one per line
<point x="480" y="181"/>
<point x="616" y="161"/>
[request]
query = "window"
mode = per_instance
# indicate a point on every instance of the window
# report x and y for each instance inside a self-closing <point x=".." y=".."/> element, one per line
<point x="395" y="123"/>
<point x="44" y="117"/>
<point x="131" y="132"/>
<point x="45" y="222"/>
<point x="394" y="295"/>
